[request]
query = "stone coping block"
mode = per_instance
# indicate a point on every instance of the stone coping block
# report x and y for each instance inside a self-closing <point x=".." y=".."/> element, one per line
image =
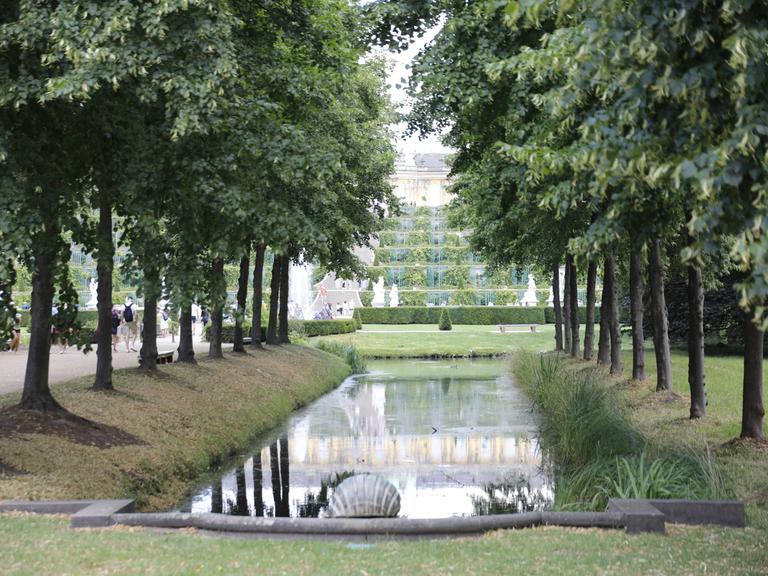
<point x="84" y="513"/>
<point x="638" y="516"/>
<point x="635" y="516"/>
<point x="650" y="515"/>
<point x="719" y="512"/>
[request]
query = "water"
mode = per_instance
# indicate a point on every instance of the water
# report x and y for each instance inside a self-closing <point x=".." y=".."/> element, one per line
<point x="456" y="437"/>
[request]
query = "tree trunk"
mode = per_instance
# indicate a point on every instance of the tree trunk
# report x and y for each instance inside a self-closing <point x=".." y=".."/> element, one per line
<point x="285" y="267"/>
<point x="696" y="343"/>
<point x="218" y="298"/>
<point x="241" y="498"/>
<point x="242" y="297"/>
<point x="274" y="465"/>
<point x="186" y="345"/>
<point x="604" y="339"/>
<point x="258" y="486"/>
<point x="614" y="321"/>
<point x="36" y="394"/>
<point x="637" y="311"/>
<point x="258" y="294"/>
<point x="573" y="287"/>
<point x="567" y="304"/>
<point x="589" y="327"/>
<point x="217" y="498"/>
<point x="104" y="266"/>
<point x="752" y="411"/>
<point x="285" y="477"/>
<point x="274" y="287"/>
<point x="556" y="305"/>
<point x="148" y="352"/>
<point x="660" y="320"/>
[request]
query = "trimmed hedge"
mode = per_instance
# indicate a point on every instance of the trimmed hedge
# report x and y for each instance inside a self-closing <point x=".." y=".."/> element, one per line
<point x="306" y="328"/>
<point x="466" y="315"/>
<point x="325" y="327"/>
<point x="459" y="315"/>
<point x="550" y="315"/>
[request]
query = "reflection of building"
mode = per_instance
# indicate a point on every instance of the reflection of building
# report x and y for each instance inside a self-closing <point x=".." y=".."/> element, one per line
<point x="441" y="441"/>
<point x="421" y="179"/>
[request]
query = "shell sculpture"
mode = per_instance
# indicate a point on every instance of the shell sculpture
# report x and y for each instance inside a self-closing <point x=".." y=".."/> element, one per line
<point x="364" y="496"/>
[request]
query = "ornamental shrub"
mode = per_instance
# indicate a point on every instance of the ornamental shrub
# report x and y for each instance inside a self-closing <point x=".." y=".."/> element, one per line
<point x="445" y="320"/>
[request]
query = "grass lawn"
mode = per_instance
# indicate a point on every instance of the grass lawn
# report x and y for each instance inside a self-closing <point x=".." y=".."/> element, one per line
<point x="425" y="340"/>
<point x="155" y="435"/>
<point x="45" y="545"/>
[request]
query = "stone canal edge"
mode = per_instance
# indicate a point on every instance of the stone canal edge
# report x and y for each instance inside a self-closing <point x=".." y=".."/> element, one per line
<point x="634" y="516"/>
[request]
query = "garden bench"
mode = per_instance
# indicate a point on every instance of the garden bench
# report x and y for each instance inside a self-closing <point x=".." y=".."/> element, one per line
<point x="165" y="357"/>
<point x="503" y="327"/>
<point x="247" y="339"/>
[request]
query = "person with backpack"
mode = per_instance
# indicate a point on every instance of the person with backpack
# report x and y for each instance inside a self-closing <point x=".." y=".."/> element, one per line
<point x="131" y="321"/>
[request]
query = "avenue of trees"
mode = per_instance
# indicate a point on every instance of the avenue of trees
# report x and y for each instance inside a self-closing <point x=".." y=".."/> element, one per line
<point x="626" y="140"/>
<point x="199" y="133"/>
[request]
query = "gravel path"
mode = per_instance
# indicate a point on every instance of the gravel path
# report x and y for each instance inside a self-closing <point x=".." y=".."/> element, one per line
<point x="73" y="363"/>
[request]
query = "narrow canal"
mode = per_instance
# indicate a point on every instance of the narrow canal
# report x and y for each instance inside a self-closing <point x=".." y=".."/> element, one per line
<point x="456" y="437"/>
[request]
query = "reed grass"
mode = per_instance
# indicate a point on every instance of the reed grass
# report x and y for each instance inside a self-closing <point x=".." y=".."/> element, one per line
<point x="594" y="451"/>
<point x="346" y="351"/>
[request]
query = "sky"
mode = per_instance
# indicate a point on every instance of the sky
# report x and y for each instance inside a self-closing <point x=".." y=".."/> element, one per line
<point x="398" y="74"/>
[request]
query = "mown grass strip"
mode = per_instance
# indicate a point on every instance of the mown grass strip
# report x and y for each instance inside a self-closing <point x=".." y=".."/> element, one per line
<point x="45" y="545"/>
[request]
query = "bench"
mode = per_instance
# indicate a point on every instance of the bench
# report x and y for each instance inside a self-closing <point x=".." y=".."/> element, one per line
<point x="165" y="357"/>
<point x="503" y="327"/>
<point x="247" y="339"/>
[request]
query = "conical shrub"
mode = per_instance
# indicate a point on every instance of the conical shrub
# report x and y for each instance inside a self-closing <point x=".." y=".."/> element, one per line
<point x="444" y="323"/>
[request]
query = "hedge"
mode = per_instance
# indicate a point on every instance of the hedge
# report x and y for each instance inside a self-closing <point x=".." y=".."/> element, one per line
<point x="550" y="314"/>
<point x="466" y="315"/>
<point x="306" y="328"/>
<point x="459" y="315"/>
<point x="325" y="327"/>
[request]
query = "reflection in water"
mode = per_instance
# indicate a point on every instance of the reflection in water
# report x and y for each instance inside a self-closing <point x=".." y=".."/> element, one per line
<point x="509" y="497"/>
<point x="239" y="507"/>
<point x="450" y="440"/>
<point x="258" y="501"/>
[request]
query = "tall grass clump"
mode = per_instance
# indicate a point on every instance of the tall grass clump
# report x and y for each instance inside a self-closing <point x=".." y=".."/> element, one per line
<point x="592" y="448"/>
<point x="348" y="352"/>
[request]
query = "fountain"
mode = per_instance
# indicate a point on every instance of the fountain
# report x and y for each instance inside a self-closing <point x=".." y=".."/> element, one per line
<point x="300" y="290"/>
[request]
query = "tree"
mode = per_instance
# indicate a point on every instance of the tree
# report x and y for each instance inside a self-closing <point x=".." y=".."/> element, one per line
<point x="50" y="81"/>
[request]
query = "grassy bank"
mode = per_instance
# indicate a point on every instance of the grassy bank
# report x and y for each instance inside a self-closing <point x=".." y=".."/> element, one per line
<point x="663" y="419"/>
<point x="426" y="341"/>
<point x="155" y="435"/>
<point x="45" y="545"/>
<point x="594" y="450"/>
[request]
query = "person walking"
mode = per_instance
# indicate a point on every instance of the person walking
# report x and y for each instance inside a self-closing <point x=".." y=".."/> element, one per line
<point x="116" y="321"/>
<point x="16" y="339"/>
<point x="195" y="309"/>
<point x="204" y="318"/>
<point x="130" y="319"/>
<point x="164" y="317"/>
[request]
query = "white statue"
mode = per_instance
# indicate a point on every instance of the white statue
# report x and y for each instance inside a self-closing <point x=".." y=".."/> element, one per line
<point x="378" y="293"/>
<point x="92" y="287"/>
<point x="394" y="297"/>
<point x="529" y="298"/>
